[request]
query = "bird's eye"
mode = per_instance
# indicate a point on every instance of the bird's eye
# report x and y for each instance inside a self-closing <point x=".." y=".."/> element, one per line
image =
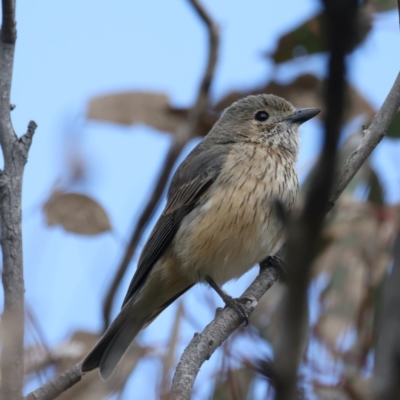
<point x="261" y="116"/>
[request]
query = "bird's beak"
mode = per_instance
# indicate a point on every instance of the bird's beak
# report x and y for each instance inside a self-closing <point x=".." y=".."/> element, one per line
<point x="303" y="115"/>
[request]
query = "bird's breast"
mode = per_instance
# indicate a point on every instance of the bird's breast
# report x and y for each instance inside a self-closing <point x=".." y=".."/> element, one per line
<point x="235" y="225"/>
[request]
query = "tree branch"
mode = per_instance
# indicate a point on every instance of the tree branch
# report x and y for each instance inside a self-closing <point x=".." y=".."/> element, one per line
<point x="185" y="132"/>
<point x="15" y="153"/>
<point x="203" y="345"/>
<point x="52" y="389"/>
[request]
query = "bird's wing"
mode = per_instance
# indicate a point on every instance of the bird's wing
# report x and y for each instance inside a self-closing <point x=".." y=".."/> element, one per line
<point x="192" y="179"/>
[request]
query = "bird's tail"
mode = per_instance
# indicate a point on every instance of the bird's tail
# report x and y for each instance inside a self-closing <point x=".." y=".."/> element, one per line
<point x="110" y="349"/>
<point x="136" y="314"/>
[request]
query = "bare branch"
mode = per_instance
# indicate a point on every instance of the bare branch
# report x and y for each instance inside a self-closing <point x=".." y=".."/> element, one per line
<point x="15" y="154"/>
<point x="52" y="389"/>
<point x="185" y="132"/>
<point x="203" y="345"/>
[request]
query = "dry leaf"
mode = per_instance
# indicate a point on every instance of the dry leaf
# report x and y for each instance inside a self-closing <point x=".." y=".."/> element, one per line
<point x="76" y="213"/>
<point x="152" y="109"/>
<point x="135" y="107"/>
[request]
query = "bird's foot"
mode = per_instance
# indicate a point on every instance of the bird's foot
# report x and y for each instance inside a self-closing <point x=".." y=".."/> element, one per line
<point x="275" y="262"/>
<point x="240" y="305"/>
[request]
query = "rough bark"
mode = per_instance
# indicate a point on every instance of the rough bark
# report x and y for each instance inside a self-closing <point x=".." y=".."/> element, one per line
<point x="15" y="153"/>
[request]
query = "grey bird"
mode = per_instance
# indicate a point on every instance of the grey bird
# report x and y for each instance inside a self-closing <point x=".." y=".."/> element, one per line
<point x="220" y="219"/>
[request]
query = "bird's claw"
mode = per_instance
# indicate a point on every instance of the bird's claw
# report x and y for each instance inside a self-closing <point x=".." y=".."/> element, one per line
<point x="241" y="306"/>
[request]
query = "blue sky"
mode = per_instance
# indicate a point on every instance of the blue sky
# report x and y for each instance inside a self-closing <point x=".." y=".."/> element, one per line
<point x="70" y="51"/>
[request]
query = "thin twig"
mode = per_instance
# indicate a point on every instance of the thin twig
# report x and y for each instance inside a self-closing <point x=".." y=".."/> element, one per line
<point x="185" y="132"/>
<point x="15" y="152"/>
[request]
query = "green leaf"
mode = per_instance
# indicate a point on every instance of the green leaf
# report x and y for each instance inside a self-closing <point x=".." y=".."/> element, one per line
<point x="394" y="128"/>
<point x="303" y="40"/>
<point x="308" y="38"/>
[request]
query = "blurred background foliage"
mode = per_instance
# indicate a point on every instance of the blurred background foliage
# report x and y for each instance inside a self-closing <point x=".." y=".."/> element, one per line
<point x="354" y="256"/>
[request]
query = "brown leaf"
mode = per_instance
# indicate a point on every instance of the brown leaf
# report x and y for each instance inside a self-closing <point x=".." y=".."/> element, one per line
<point x="76" y="213"/>
<point x="152" y="109"/>
<point x="128" y="108"/>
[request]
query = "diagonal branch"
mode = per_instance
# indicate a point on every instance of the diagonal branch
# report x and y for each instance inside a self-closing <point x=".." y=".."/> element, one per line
<point x="52" y="389"/>
<point x="203" y="345"/>
<point x="185" y="132"/>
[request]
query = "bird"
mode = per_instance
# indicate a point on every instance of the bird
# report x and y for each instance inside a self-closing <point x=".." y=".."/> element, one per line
<point x="219" y="220"/>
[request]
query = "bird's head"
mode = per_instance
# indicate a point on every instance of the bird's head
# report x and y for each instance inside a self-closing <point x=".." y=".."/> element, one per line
<point x="265" y="119"/>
